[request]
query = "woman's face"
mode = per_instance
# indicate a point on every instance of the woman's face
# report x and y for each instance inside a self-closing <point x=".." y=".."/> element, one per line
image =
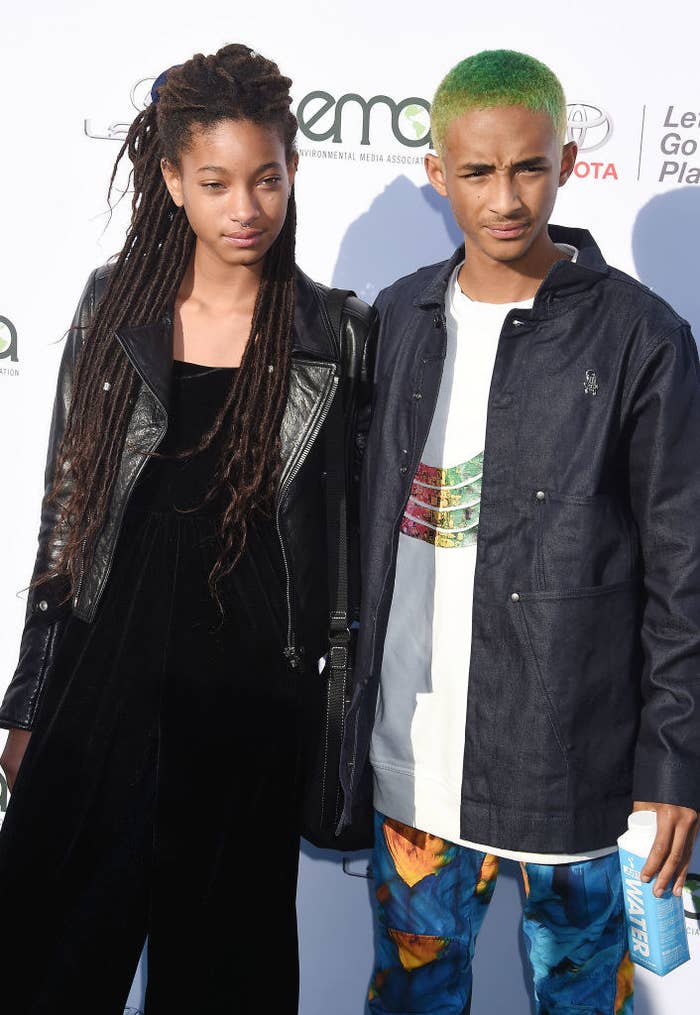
<point x="234" y="183"/>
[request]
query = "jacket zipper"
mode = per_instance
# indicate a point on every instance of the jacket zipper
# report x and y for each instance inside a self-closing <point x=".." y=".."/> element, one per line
<point x="76" y="597"/>
<point x="127" y="495"/>
<point x="118" y="527"/>
<point x="290" y="650"/>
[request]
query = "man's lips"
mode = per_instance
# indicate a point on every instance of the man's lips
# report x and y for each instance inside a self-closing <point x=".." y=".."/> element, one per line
<point x="506" y="230"/>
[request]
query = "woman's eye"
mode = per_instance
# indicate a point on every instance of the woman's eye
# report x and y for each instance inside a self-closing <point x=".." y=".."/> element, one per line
<point x="213" y="185"/>
<point x="271" y="180"/>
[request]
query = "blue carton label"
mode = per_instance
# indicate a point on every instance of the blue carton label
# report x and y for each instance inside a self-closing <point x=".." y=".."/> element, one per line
<point x="656" y="927"/>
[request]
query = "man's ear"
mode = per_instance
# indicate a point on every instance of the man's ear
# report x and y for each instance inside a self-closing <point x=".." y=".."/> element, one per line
<point x="568" y="161"/>
<point x="435" y="170"/>
<point x="173" y="181"/>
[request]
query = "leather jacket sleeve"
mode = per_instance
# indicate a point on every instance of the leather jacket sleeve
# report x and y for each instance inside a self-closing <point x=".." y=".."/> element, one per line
<point x="48" y="605"/>
<point x="662" y="411"/>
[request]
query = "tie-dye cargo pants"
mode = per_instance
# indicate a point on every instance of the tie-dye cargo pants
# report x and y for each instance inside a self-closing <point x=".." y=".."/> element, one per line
<point x="431" y="897"/>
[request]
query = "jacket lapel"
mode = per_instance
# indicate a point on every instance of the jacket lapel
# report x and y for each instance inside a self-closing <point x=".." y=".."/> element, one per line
<point x="310" y="389"/>
<point x="311" y="374"/>
<point x="150" y="351"/>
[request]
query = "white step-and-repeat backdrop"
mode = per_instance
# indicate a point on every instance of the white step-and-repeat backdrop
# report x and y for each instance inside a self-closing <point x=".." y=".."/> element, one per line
<point x="73" y="74"/>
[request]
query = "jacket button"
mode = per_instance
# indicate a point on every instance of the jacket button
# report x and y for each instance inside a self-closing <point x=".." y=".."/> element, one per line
<point x="43" y="605"/>
<point x="541" y="495"/>
<point x="515" y="597"/>
<point x="403" y="469"/>
<point x="417" y="395"/>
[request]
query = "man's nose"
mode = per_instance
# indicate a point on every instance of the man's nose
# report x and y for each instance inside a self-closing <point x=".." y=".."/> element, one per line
<point x="504" y="197"/>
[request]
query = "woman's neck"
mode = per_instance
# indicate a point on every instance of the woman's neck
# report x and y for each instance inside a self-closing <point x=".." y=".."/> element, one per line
<point x="222" y="289"/>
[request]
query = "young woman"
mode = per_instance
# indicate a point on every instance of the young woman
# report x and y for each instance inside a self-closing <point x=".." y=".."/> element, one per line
<point x="180" y="597"/>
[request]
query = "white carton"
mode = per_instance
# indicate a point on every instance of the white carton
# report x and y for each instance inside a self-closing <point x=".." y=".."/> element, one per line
<point x="656" y="927"/>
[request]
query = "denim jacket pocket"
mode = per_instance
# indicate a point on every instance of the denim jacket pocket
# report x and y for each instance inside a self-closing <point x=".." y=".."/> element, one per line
<point x="582" y="542"/>
<point x="582" y="649"/>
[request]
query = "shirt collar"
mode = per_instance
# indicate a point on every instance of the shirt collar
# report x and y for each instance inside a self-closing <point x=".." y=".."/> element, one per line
<point x="563" y="279"/>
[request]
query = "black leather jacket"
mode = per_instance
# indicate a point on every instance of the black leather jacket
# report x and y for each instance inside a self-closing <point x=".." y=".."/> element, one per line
<point x="315" y="380"/>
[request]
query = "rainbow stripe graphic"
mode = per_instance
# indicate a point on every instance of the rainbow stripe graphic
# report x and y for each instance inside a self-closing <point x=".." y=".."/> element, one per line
<point x="443" y="508"/>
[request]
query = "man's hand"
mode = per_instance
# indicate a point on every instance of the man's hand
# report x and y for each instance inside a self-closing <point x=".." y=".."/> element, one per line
<point x="676" y="828"/>
<point x="17" y="742"/>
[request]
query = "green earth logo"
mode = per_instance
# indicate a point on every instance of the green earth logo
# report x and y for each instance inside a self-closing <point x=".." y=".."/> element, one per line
<point x="415" y="120"/>
<point x="8" y="340"/>
<point x="691" y="897"/>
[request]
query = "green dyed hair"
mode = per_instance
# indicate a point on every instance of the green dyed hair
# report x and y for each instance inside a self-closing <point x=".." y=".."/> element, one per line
<point x="497" y="77"/>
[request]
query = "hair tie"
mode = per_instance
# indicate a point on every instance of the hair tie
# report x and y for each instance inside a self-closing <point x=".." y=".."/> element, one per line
<point x="160" y="81"/>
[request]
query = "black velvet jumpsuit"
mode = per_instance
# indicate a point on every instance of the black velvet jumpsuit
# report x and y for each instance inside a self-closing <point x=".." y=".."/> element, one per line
<point x="159" y="792"/>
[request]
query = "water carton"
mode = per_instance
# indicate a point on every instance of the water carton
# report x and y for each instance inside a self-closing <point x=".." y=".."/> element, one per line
<point x="656" y="927"/>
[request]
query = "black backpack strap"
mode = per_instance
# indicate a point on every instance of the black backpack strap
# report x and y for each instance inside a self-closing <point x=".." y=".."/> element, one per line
<point x="338" y="665"/>
<point x="336" y="480"/>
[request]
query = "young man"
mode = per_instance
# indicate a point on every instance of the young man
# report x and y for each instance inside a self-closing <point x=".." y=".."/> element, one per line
<point x="529" y="654"/>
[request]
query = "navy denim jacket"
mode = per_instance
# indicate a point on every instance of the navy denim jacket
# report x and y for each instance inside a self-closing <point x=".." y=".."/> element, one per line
<point x="584" y="682"/>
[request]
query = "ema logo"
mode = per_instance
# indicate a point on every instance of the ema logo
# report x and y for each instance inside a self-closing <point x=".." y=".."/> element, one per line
<point x="321" y="117"/>
<point x="8" y="340"/>
<point x="590" y="127"/>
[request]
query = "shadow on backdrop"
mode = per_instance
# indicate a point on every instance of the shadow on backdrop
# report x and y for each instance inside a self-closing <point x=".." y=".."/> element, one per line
<point x="405" y="227"/>
<point x="664" y="245"/>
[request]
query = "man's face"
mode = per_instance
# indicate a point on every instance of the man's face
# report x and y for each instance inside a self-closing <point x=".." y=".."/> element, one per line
<point x="501" y="169"/>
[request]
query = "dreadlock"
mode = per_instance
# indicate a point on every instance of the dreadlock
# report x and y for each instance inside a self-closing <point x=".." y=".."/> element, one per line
<point x="233" y="84"/>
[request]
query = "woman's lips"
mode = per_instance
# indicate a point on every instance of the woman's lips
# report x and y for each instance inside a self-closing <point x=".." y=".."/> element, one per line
<point x="246" y="238"/>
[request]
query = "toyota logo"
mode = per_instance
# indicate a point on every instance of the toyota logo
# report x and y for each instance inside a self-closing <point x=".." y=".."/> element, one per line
<point x="589" y="126"/>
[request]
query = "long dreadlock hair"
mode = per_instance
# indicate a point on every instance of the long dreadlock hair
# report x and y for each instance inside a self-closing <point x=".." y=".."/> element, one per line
<point x="233" y="84"/>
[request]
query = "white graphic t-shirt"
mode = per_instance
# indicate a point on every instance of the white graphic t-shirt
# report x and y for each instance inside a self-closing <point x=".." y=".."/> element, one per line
<point x="418" y="740"/>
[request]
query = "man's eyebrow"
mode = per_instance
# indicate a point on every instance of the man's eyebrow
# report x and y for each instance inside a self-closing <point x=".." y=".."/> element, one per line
<point x="483" y="167"/>
<point x="474" y="167"/>
<point x="534" y="162"/>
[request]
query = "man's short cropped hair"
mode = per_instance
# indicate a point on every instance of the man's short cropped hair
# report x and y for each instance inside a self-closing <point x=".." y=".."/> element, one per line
<point x="497" y="77"/>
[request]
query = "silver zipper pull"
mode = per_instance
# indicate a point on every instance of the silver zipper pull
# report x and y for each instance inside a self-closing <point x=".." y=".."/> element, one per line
<point x="292" y="656"/>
